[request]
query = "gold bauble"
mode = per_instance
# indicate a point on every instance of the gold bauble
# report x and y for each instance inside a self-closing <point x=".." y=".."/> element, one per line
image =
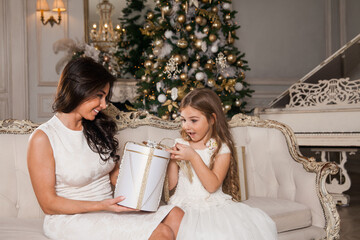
<point x="168" y="91"/>
<point x="178" y="58"/>
<point x="205" y="1"/>
<point x="195" y="64"/>
<point x="145" y="91"/>
<point x="211" y="82"/>
<point x="231" y="58"/>
<point x="181" y="93"/>
<point x="185" y="58"/>
<point x="198" y="19"/>
<point x="182" y="43"/>
<point x="227" y="107"/>
<point x="165" y="117"/>
<point x="148" y="64"/>
<point x="159" y="42"/>
<point x="150" y="15"/>
<point x="216" y="24"/>
<point x="230" y="40"/>
<point x="181" y="18"/>
<point x="206" y="30"/>
<point x="227" y="17"/>
<point x="237" y="103"/>
<point x="210" y="61"/>
<point x="198" y="43"/>
<point x="151" y="56"/>
<point x="188" y="28"/>
<point x="197" y="56"/>
<point x="192" y="88"/>
<point x="174" y="115"/>
<point x="214" y="9"/>
<point x="208" y="66"/>
<point x="161" y="20"/>
<point x="239" y="63"/>
<point x="183" y="76"/>
<point x="212" y="37"/>
<point x="143" y="78"/>
<point x="147" y="26"/>
<point x="226" y="52"/>
<point x="220" y="77"/>
<point x="192" y="37"/>
<point x="152" y="97"/>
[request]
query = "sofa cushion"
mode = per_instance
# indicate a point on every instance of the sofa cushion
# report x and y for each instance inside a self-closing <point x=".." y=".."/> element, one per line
<point x="16" y="228"/>
<point x="287" y="215"/>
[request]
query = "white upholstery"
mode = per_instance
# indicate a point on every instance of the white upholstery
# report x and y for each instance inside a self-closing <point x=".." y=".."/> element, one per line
<point x="276" y="183"/>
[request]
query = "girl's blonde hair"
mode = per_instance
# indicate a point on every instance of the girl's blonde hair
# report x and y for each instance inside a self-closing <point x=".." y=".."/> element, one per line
<point x="207" y="102"/>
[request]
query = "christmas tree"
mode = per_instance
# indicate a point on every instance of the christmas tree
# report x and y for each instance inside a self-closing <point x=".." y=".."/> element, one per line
<point x="133" y="43"/>
<point x="192" y="47"/>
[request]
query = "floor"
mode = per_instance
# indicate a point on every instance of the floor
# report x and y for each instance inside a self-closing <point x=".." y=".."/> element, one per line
<point x="350" y="216"/>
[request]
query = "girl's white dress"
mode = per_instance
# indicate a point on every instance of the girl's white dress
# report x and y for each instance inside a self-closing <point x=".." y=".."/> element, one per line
<point x="82" y="175"/>
<point x="214" y="215"/>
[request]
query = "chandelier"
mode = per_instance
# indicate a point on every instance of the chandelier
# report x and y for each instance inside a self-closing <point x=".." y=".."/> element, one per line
<point x="106" y="35"/>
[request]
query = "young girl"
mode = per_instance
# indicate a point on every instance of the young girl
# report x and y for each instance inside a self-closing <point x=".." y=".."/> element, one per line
<point x="208" y="191"/>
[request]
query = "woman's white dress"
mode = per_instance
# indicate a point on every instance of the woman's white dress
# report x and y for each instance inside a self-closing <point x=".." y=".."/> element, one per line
<point x="214" y="215"/>
<point x="82" y="175"/>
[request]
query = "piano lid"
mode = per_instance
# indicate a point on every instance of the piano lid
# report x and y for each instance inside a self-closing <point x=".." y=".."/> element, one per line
<point x="344" y="63"/>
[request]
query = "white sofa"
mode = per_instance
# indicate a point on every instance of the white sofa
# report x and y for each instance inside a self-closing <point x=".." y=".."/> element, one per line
<point x="286" y="185"/>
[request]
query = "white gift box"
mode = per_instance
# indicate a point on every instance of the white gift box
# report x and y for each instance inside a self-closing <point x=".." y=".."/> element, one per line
<point x="141" y="176"/>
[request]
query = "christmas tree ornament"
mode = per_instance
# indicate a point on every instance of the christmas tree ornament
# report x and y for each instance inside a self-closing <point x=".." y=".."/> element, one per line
<point x="171" y="68"/>
<point x="220" y="78"/>
<point x="156" y="51"/>
<point x="145" y="91"/>
<point x="174" y="93"/>
<point x="227" y="107"/>
<point x="214" y="49"/>
<point x="161" y="98"/>
<point x="174" y="115"/>
<point x="210" y="61"/>
<point x="198" y="19"/>
<point x="230" y="40"/>
<point x="159" y="86"/>
<point x="239" y="63"/>
<point x="211" y="82"/>
<point x="205" y="1"/>
<point x="227" y="17"/>
<point x="182" y="43"/>
<point x="221" y="61"/>
<point x="203" y="22"/>
<point x="198" y="43"/>
<point x="148" y="64"/>
<point x="143" y="78"/>
<point x="181" y="18"/>
<point x="159" y="43"/>
<point x="238" y="86"/>
<point x="185" y="58"/>
<point x="195" y="65"/>
<point x="183" y="76"/>
<point x="165" y="117"/>
<point x="231" y="58"/>
<point x="150" y="15"/>
<point x="151" y="56"/>
<point x="199" y="76"/>
<point x="216" y="24"/>
<point x="214" y="9"/>
<point x="212" y="37"/>
<point x="192" y="37"/>
<point x="226" y="6"/>
<point x="237" y="103"/>
<point x="168" y="92"/>
<point x="206" y="30"/>
<point x="188" y="28"/>
<point x="152" y="97"/>
<point x="194" y="2"/>
<point x="177" y="58"/>
<point x="208" y="66"/>
<point x="197" y="56"/>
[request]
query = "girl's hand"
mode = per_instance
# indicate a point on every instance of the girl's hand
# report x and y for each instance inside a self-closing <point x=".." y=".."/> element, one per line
<point x="112" y="206"/>
<point x="182" y="152"/>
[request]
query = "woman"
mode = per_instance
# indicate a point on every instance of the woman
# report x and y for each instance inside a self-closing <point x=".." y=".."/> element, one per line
<point x="72" y="164"/>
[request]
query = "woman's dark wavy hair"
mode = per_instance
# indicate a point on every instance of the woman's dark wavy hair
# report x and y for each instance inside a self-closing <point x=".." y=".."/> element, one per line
<point x="81" y="79"/>
<point x="206" y="101"/>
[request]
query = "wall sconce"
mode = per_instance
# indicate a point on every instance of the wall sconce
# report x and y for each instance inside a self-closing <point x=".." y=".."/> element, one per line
<point x="58" y="6"/>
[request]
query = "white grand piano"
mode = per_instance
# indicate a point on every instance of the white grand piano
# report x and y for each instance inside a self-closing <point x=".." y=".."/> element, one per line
<point x="323" y="109"/>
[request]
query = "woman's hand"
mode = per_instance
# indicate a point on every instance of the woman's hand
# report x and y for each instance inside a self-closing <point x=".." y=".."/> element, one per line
<point x="111" y="205"/>
<point x="182" y="152"/>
